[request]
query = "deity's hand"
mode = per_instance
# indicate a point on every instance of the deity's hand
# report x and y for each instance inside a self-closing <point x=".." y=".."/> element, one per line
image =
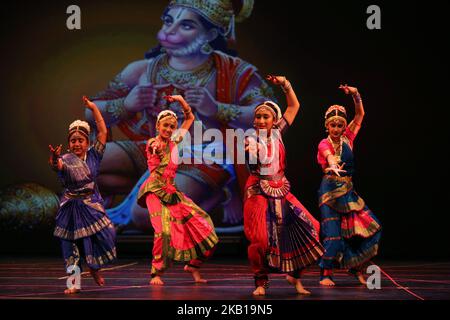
<point x="278" y="80"/>
<point x="140" y="97"/>
<point x="348" y="90"/>
<point x="201" y="100"/>
<point x="88" y="103"/>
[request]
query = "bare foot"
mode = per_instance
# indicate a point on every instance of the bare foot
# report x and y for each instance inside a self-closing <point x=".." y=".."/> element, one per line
<point x="259" y="291"/>
<point x="195" y="274"/>
<point x="156" y="281"/>
<point x="97" y="277"/>
<point x="327" y="282"/>
<point x="358" y="275"/>
<point x="298" y="285"/>
<point x="361" y="279"/>
<point x="72" y="291"/>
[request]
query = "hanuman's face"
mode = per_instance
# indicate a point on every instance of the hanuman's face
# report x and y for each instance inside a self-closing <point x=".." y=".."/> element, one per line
<point x="182" y="32"/>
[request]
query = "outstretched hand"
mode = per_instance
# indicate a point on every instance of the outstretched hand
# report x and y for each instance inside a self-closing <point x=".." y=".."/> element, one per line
<point x="278" y="80"/>
<point x="88" y="103"/>
<point x="336" y="169"/>
<point x="54" y="156"/>
<point x="56" y="151"/>
<point x="348" y="90"/>
<point x="157" y="148"/>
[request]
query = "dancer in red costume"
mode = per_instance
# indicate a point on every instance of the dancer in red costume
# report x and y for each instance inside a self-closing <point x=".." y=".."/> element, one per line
<point x="283" y="235"/>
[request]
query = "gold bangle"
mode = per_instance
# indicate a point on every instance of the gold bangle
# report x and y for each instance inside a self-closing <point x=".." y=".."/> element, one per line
<point x="116" y="109"/>
<point x="227" y="112"/>
<point x="357" y="97"/>
<point x="287" y="87"/>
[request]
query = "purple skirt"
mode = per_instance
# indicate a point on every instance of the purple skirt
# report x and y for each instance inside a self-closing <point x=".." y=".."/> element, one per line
<point x="85" y="232"/>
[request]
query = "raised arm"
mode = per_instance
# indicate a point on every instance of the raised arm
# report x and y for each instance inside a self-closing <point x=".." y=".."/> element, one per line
<point x="293" y="105"/>
<point x="99" y="121"/>
<point x="188" y="115"/>
<point x="355" y="124"/>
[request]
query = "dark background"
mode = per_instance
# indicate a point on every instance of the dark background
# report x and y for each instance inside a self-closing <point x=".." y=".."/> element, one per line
<point x="401" y="71"/>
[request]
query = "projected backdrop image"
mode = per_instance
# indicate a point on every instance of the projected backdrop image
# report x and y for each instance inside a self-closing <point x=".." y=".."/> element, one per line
<point x="126" y="59"/>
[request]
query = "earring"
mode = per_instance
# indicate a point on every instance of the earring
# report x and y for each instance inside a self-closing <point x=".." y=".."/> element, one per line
<point x="206" y="48"/>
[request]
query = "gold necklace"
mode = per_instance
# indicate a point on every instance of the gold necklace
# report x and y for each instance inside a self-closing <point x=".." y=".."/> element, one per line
<point x="337" y="148"/>
<point x="189" y="78"/>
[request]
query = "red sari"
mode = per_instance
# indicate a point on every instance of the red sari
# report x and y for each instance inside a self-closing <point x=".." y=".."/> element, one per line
<point x="283" y="235"/>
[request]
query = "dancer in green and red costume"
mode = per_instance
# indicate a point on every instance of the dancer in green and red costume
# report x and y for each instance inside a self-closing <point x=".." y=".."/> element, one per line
<point x="183" y="231"/>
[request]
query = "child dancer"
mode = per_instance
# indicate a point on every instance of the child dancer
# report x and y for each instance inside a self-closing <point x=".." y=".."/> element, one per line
<point x="283" y="235"/>
<point x="183" y="231"/>
<point x="82" y="225"/>
<point x="349" y="230"/>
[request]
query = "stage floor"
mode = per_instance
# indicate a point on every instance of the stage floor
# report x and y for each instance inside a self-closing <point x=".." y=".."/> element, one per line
<point x="26" y="278"/>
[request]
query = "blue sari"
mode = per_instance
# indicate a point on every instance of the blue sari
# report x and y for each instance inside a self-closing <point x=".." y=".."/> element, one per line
<point x="82" y="225"/>
<point x="350" y="232"/>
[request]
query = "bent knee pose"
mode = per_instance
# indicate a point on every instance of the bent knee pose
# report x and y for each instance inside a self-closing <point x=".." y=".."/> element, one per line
<point x="283" y="235"/>
<point x="82" y="225"/>
<point x="183" y="231"/>
<point x="349" y="230"/>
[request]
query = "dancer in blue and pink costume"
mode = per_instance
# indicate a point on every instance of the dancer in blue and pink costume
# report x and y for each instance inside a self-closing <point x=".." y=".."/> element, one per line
<point x="350" y="232"/>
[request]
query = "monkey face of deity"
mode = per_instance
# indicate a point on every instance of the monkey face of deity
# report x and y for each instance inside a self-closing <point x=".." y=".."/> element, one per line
<point x="166" y="126"/>
<point x="336" y="128"/>
<point x="183" y="33"/>
<point x="263" y="119"/>
<point x="78" y="144"/>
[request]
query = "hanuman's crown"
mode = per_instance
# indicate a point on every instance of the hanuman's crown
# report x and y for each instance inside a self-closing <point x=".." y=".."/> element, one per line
<point x="218" y="12"/>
